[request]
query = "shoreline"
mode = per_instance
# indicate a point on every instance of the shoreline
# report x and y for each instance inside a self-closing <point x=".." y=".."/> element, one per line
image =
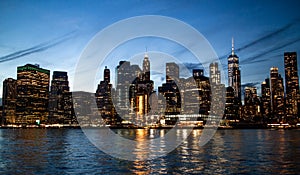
<point x="156" y="127"/>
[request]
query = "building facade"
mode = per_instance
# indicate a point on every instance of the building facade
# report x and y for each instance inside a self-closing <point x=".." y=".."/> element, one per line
<point x="291" y="85"/>
<point x="277" y="96"/>
<point x="266" y="100"/>
<point x="60" y="99"/>
<point x="9" y="99"/>
<point x="32" y="94"/>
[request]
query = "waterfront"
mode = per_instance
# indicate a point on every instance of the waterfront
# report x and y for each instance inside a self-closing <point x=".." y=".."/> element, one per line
<point x="68" y="151"/>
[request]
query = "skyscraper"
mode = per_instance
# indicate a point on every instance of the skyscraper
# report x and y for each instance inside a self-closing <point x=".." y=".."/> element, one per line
<point x="172" y="72"/>
<point x="9" y="98"/>
<point x="214" y="73"/>
<point x="277" y="95"/>
<point x="234" y="74"/>
<point x="291" y="84"/>
<point x="266" y="100"/>
<point x="104" y="99"/>
<point x="146" y="68"/>
<point x="217" y="91"/>
<point x="32" y="94"/>
<point x="251" y="109"/>
<point x="60" y="101"/>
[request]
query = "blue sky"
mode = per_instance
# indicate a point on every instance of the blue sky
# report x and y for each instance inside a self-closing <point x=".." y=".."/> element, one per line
<point x="55" y="33"/>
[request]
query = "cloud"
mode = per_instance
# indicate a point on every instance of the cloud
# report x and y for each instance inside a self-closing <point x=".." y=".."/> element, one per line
<point x="254" y="59"/>
<point x="37" y="48"/>
<point x="267" y="37"/>
<point x="191" y="66"/>
<point x="252" y="84"/>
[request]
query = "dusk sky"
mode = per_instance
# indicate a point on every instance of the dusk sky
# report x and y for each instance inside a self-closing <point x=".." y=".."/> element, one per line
<point x="53" y="34"/>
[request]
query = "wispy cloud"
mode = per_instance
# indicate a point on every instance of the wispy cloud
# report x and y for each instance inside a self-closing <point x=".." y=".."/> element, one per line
<point x="266" y="38"/>
<point x="37" y="48"/>
<point x="252" y="84"/>
<point x="255" y="58"/>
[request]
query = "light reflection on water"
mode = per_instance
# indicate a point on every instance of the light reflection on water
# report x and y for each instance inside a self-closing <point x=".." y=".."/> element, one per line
<point x="61" y="151"/>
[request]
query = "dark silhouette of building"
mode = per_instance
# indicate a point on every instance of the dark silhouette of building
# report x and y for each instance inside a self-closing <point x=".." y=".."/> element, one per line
<point x="234" y="74"/>
<point x="104" y="99"/>
<point x="60" y="99"/>
<point x="169" y="96"/>
<point x="266" y="100"/>
<point x="277" y="96"/>
<point x="9" y="98"/>
<point x="32" y="94"/>
<point x="232" y="105"/>
<point x="291" y="85"/>
<point x="251" y="109"/>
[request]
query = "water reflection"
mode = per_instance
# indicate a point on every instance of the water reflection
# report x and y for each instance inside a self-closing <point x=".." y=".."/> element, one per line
<point x="61" y="151"/>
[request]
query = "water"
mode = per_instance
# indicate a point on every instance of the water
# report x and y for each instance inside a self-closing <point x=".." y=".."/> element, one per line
<point x="68" y="151"/>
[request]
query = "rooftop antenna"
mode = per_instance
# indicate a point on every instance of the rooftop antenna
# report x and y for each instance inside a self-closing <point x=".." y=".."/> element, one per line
<point x="146" y="54"/>
<point x="232" y="46"/>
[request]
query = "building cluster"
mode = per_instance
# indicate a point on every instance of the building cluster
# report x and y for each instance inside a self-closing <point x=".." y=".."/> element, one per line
<point x="30" y="99"/>
<point x="27" y="100"/>
<point x="277" y="104"/>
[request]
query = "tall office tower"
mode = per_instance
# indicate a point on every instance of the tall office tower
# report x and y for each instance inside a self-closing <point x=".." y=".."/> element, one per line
<point x="172" y="72"/>
<point x="251" y="109"/>
<point x="291" y="84"/>
<point x="32" y="94"/>
<point x="104" y="99"/>
<point x="169" y="96"/>
<point x="106" y="75"/>
<point x="141" y="90"/>
<point x="277" y="95"/>
<point x="231" y="105"/>
<point x="217" y="90"/>
<point x="197" y="94"/>
<point x="234" y="74"/>
<point x="60" y="102"/>
<point x="266" y="100"/>
<point x="9" y="98"/>
<point x="126" y="74"/>
<point x="214" y="73"/>
<point x="146" y="68"/>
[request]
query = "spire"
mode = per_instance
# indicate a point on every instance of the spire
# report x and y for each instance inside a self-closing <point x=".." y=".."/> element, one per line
<point x="146" y="53"/>
<point x="232" y="46"/>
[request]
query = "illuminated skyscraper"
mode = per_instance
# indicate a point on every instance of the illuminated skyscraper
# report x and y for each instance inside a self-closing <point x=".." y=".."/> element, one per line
<point x="291" y="84"/>
<point x="32" y="94"/>
<point x="9" y="98"/>
<point x="266" y="100"/>
<point x="60" y="101"/>
<point x="231" y="106"/>
<point x="217" y="90"/>
<point x="214" y="73"/>
<point x="146" y="68"/>
<point x="234" y="74"/>
<point x="277" y="95"/>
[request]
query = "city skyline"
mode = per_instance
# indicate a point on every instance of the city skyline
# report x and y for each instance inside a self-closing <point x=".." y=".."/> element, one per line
<point x="30" y="98"/>
<point x="57" y="32"/>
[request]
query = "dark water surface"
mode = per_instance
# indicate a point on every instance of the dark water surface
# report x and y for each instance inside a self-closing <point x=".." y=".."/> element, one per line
<point x="68" y="151"/>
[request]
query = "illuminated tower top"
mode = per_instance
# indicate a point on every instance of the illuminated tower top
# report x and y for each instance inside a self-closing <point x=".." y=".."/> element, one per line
<point x="234" y="74"/>
<point x="146" y="67"/>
